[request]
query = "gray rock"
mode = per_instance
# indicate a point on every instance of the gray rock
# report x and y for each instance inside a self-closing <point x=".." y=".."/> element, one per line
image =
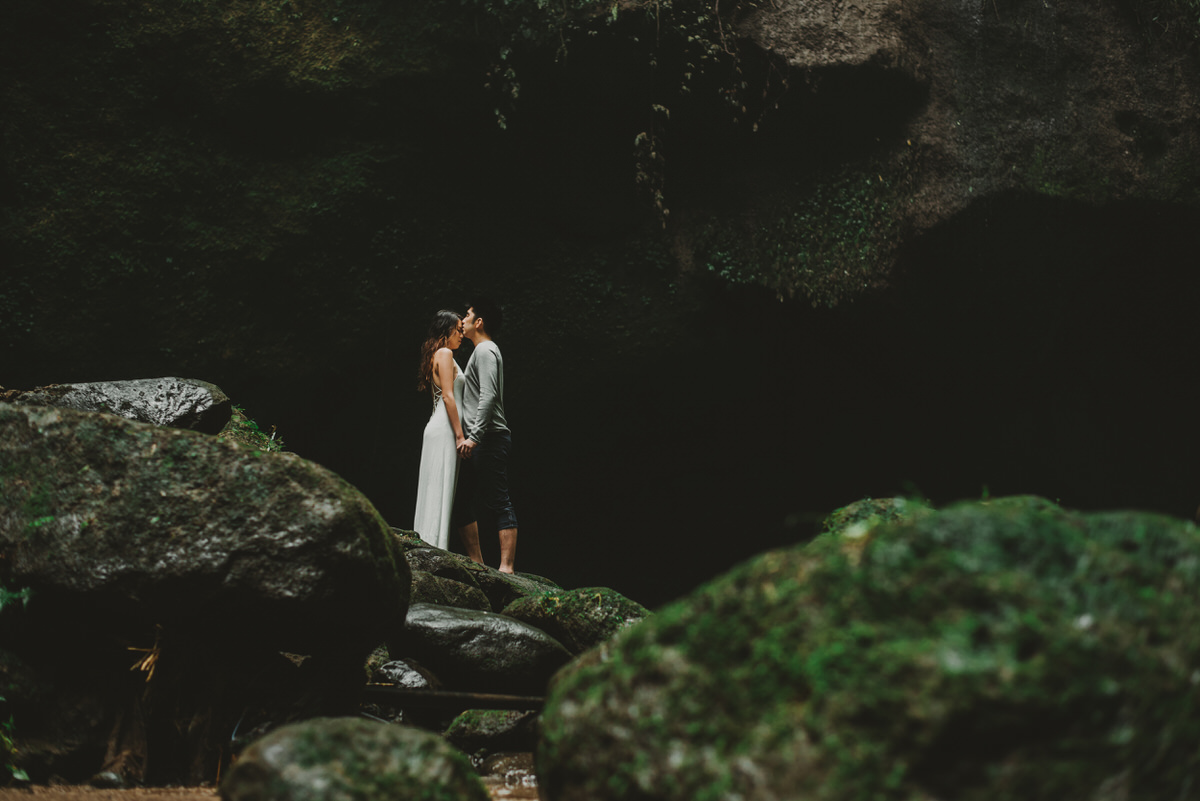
<point x="174" y="402"/>
<point x="580" y="619"/>
<point x="134" y="525"/>
<point x="405" y="674"/>
<point x="350" y="759"/>
<point x="989" y="652"/>
<point x="481" y="651"/>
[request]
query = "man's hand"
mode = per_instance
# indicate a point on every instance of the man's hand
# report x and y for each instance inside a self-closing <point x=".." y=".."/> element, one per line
<point x="464" y="450"/>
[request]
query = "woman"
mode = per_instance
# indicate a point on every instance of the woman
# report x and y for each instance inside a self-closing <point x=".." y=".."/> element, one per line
<point x="443" y="433"/>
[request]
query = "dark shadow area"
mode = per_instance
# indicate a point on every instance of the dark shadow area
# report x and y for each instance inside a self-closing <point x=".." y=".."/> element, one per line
<point x="666" y="425"/>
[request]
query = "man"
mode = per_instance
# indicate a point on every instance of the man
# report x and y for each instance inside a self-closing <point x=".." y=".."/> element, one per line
<point x="488" y="440"/>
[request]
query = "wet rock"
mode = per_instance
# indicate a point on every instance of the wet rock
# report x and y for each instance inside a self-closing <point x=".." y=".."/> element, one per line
<point x="431" y="589"/>
<point x="407" y="674"/>
<point x="1003" y="650"/>
<point x="174" y="402"/>
<point x="351" y="759"/>
<point x="500" y="589"/>
<point x="493" y="730"/>
<point x="580" y="618"/>
<point x="442" y="564"/>
<point x="481" y="651"/>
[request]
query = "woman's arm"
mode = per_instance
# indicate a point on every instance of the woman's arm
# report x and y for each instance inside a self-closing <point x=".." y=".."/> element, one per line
<point x="443" y="374"/>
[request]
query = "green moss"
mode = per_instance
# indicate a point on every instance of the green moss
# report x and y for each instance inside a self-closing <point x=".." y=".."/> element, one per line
<point x="1000" y="651"/>
<point x="826" y="240"/>
<point x="244" y="431"/>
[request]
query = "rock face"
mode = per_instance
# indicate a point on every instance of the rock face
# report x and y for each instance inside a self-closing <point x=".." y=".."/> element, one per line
<point x="1067" y="99"/>
<point x="1002" y="650"/>
<point x="174" y="402"/>
<point x="196" y="560"/>
<point x="351" y="760"/>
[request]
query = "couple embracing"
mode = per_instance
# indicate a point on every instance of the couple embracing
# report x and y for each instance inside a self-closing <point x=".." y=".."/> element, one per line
<point x="465" y="451"/>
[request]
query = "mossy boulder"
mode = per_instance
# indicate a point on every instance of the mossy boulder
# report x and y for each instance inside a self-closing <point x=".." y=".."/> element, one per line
<point x="990" y="651"/>
<point x="134" y="525"/>
<point x="580" y="618"/>
<point x="350" y="759"/>
<point x="196" y="562"/>
<point x="430" y="589"/>
<point x="451" y="579"/>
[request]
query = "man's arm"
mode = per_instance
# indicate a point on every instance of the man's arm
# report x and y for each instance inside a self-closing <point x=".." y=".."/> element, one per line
<point x="489" y="393"/>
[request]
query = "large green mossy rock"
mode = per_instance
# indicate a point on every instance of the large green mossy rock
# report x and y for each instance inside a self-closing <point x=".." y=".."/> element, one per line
<point x="349" y="759"/>
<point x="1000" y="651"/>
<point x="116" y="526"/>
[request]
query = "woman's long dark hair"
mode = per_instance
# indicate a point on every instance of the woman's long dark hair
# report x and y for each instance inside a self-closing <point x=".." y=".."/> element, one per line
<point x="444" y="323"/>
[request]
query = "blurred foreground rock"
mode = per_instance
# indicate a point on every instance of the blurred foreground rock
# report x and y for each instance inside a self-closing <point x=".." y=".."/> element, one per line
<point x="991" y="651"/>
<point x="351" y="760"/>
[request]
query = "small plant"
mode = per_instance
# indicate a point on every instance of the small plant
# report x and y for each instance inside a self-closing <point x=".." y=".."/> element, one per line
<point x="7" y="596"/>
<point x="243" y="430"/>
<point x="8" y="748"/>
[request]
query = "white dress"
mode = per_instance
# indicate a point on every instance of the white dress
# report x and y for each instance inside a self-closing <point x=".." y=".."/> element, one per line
<point x="439" y="470"/>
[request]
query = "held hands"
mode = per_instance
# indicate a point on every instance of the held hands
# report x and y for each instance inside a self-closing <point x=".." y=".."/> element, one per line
<point x="465" y="446"/>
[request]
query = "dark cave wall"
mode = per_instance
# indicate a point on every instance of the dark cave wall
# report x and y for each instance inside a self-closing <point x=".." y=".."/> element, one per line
<point x="241" y="194"/>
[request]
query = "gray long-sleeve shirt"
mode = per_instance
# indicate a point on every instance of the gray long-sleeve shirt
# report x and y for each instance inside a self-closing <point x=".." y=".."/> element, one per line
<point x="483" y="393"/>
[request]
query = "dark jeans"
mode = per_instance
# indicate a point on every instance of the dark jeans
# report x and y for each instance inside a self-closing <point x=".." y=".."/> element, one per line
<point x="489" y="463"/>
<point x="483" y="491"/>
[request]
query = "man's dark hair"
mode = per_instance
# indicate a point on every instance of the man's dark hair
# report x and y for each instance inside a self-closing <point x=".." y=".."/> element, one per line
<point x="491" y="314"/>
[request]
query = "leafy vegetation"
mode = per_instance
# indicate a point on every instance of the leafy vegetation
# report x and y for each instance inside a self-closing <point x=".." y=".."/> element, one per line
<point x="243" y="430"/>
<point x="8" y="748"/>
<point x="8" y="596"/>
<point x="824" y="241"/>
